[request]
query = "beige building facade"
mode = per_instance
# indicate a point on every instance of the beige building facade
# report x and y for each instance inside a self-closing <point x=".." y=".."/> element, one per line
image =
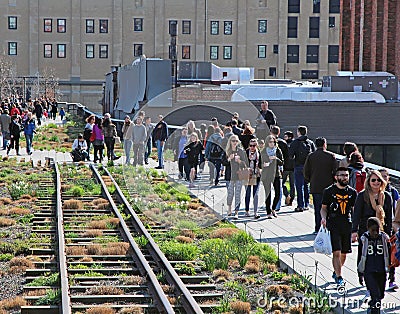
<point x="82" y="39"/>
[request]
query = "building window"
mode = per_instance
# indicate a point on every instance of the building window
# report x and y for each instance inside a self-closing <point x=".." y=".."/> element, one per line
<point x="294" y="6"/>
<point x="292" y="54"/>
<point x="61" y="25"/>
<point x="90" y="51"/>
<point x="312" y="53"/>
<point x="214" y="30"/>
<point x="276" y="49"/>
<point x="314" y="27"/>
<point x="228" y="52"/>
<point x="48" y="51"/>
<point x="48" y="25"/>
<point x="12" y="48"/>
<point x="173" y="27"/>
<point x="186" y="27"/>
<point x="309" y="74"/>
<point x="316" y="6"/>
<point x="137" y="50"/>
<point x="262" y="51"/>
<point x="12" y="22"/>
<point x="138" y="24"/>
<point x="103" y="26"/>
<point x="332" y="22"/>
<point x="333" y="54"/>
<point x="214" y="52"/>
<point x="89" y="26"/>
<point x="334" y="6"/>
<point x="272" y="72"/>
<point x="103" y="51"/>
<point x="292" y="27"/>
<point x="227" y="27"/>
<point x="185" y="52"/>
<point x="61" y="50"/>
<point x="262" y="26"/>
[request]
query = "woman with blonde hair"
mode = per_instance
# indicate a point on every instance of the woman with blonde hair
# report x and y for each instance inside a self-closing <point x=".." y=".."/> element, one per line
<point x="233" y="159"/>
<point x="373" y="201"/>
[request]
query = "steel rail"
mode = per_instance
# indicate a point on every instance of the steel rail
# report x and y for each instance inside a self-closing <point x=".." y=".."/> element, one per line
<point x="161" y="301"/>
<point x="65" y="305"/>
<point x="185" y="297"/>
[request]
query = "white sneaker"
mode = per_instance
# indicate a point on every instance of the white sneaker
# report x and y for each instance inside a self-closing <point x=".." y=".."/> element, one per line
<point x="236" y="216"/>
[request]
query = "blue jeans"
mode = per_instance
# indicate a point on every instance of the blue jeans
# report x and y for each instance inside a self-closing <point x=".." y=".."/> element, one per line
<point x="303" y="194"/>
<point x="29" y="139"/>
<point x="160" y="153"/>
<point x="127" y="149"/>
<point x="255" y="196"/>
<point x="317" y="201"/>
<point x="278" y="206"/>
<point x="5" y="142"/>
<point x="147" y="150"/>
<point x="290" y="175"/>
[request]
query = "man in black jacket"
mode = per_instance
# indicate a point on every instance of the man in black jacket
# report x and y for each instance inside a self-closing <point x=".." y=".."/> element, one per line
<point x="288" y="171"/>
<point x="319" y="169"/>
<point x="265" y="120"/>
<point x="300" y="148"/>
<point x="160" y="135"/>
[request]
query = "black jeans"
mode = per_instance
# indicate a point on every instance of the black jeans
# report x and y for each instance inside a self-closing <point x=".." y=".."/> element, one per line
<point x="110" y="142"/>
<point x="277" y="189"/>
<point x="183" y="166"/>
<point x="375" y="282"/>
<point x="288" y="174"/>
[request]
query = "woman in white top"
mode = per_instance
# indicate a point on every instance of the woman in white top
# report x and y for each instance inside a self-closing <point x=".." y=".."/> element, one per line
<point x="127" y="130"/>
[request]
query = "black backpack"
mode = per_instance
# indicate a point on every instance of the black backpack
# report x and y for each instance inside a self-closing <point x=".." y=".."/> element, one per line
<point x="216" y="151"/>
<point x="303" y="151"/>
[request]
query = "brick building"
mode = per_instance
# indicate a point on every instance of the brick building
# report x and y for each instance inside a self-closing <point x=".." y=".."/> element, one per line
<point x="81" y="39"/>
<point x="369" y="35"/>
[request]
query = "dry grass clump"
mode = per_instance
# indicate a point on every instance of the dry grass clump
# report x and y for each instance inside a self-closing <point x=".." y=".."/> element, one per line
<point x="20" y="265"/>
<point x="113" y="222"/>
<point x="6" y="200"/>
<point x="278" y="307"/>
<point x="183" y="239"/>
<point x="271" y="268"/>
<point x="120" y="248"/>
<point x="133" y="280"/>
<point x="223" y="233"/>
<point x="26" y="197"/>
<point x="187" y="233"/>
<point x="3" y="211"/>
<point x="132" y="310"/>
<point x="86" y="259"/>
<point x="171" y="300"/>
<point x="278" y="290"/>
<point x="298" y="309"/>
<point x="102" y="206"/>
<point x="100" y="310"/>
<point x="105" y="290"/>
<point x="253" y="264"/>
<point x="73" y="204"/>
<point x="98" y="201"/>
<point x="98" y="224"/>
<point x="76" y="250"/>
<point x="19" y="211"/>
<point x="6" y="222"/>
<point x="277" y="312"/>
<point x="35" y="293"/>
<point x="12" y="304"/>
<point x="239" y="307"/>
<point x="194" y="206"/>
<point x="168" y="288"/>
<point x="220" y="273"/>
<point x="93" y="233"/>
<point x="234" y="263"/>
<point x="94" y="249"/>
<point x="65" y="187"/>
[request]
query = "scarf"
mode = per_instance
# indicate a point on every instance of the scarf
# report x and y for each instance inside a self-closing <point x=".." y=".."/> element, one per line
<point x="377" y="205"/>
<point x="271" y="151"/>
<point x="253" y="158"/>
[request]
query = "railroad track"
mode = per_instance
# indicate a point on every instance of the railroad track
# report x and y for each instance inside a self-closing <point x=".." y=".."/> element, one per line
<point x="91" y="251"/>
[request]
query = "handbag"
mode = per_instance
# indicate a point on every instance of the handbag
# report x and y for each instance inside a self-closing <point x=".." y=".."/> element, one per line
<point x="244" y="174"/>
<point x="92" y="137"/>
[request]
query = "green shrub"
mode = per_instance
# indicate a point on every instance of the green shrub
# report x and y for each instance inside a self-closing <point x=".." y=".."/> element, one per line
<point x="176" y="251"/>
<point x="76" y="191"/>
<point x="266" y="253"/>
<point x="46" y="280"/>
<point x="52" y="297"/>
<point x="215" y="254"/>
<point x="6" y="257"/>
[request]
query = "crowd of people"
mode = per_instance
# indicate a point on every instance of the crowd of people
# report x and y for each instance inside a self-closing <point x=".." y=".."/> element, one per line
<point x="18" y="117"/>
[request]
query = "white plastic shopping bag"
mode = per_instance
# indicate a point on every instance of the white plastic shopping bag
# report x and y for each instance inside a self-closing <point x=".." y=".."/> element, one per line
<point x="322" y="242"/>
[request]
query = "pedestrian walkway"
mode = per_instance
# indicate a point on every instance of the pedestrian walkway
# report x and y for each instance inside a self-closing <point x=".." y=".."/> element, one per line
<point x="291" y="234"/>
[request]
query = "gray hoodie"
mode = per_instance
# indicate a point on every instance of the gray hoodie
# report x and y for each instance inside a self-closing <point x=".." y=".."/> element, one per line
<point x="139" y="134"/>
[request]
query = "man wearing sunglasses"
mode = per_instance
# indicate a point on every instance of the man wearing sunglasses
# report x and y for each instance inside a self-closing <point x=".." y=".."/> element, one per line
<point x="337" y="209"/>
